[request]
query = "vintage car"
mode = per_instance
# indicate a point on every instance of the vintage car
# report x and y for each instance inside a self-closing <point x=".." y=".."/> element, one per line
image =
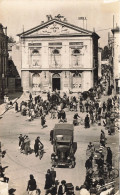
<point x="63" y="146"/>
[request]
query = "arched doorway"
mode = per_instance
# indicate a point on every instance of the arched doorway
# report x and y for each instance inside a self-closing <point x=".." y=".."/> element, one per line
<point x="56" y="82"/>
<point x="36" y="82"/>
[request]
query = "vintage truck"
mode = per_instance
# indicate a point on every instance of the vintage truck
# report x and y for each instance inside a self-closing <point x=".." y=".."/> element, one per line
<point x="64" y="146"/>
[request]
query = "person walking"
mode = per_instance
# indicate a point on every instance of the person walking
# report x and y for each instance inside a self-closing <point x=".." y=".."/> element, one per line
<point x="27" y="145"/>
<point x="21" y="139"/>
<point x="102" y="138"/>
<point x="16" y="106"/>
<point x="62" y="188"/>
<point x="43" y="120"/>
<point x="53" y="175"/>
<point x="32" y="186"/>
<point x="109" y="156"/>
<point x="87" y="121"/>
<point x="36" y="146"/>
<point x="48" y="181"/>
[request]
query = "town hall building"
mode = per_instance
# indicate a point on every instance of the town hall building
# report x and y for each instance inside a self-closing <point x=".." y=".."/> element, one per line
<point x="58" y="55"/>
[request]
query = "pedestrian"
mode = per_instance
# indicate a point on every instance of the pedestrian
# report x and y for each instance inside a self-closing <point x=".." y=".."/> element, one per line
<point x="16" y="106"/>
<point x="62" y="188"/>
<point x="27" y="145"/>
<point x="104" y="106"/>
<point x="48" y="181"/>
<point x="109" y="157"/>
<point x="30" y="96"/>
<point x="88" y="163"/>
<point x="21" y="139"/>
<point x="102" y="138"/>
<point x="32" y="186"/>
<point x="43" y="120"/>
<point x="53" y="175"/>
<point x="87" y="121"/>
<point x="36" y="146"/>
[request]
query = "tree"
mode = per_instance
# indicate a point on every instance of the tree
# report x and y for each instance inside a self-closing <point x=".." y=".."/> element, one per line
<point x="106" y="53"/>
<point x="11" y="39"/>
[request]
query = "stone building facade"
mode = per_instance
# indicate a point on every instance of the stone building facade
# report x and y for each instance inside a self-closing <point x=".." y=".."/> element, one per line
<point x="58" y="55"/>
<point x="3" y="60"/>
<point x="116" y="59"/>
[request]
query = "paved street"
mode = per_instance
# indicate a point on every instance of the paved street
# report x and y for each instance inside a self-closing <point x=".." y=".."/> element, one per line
<point x="21" y="166"/>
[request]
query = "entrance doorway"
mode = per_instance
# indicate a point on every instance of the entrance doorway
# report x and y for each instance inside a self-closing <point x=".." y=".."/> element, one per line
<point x="56" y="82"/>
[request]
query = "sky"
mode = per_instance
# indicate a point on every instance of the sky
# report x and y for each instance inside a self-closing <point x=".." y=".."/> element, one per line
<point x="29" y="13"/>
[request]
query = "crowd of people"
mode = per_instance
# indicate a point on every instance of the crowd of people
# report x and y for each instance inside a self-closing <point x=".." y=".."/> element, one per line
<point x="88" y="102"/>
<point x="102" y="113"/>
<point x="3" y="177"/>
<point x="52" y="186"/>
<point x="98" y="166"/>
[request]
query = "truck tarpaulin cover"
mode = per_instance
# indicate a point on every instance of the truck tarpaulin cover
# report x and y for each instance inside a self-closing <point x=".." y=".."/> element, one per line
<point x="63" y="129"/>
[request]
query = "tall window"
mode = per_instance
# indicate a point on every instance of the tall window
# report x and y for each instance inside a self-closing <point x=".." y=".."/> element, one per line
<point x="55" y="58"/>
<point x="76" y="57"/>
<point x="36" y="57"/>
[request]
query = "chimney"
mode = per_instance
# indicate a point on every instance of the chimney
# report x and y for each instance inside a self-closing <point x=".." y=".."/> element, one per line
<point x="42" y="22"/>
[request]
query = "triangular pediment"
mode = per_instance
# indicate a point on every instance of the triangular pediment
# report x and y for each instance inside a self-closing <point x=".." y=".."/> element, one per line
<point x="53" y="28"/>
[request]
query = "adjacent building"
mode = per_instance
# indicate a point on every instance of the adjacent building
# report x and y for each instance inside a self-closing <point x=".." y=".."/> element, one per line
<point x="3" y="60"/>
<point x="116" y="58"/>
<point x="58" y="55"/>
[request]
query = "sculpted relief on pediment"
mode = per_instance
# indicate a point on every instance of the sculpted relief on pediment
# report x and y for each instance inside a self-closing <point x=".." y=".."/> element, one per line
<point x="55" y="29"/>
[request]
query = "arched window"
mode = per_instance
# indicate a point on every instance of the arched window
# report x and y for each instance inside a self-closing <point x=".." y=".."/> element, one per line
<point x="55" y="58"/>
<point x="36" y="57"/>
<point x="76" y="75"/>
<point x="76" y="52"/>
<point x="76" y="57"/>
<point x="56" y="51"/>
<point x="35" y="51"/>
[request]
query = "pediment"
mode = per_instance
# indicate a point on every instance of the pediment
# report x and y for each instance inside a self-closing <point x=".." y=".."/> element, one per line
<point x="55" y="27"/>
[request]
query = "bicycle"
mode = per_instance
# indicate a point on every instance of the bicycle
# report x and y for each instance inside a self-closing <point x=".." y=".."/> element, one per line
<point x="110" y="173"/>
<point x="113" y="173"/>
<point x="40" y="153"/>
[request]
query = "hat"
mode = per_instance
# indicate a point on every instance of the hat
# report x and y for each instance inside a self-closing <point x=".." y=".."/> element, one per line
<point x="63" y="182"/>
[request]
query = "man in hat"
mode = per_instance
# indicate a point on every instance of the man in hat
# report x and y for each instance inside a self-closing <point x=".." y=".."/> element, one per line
<point x="62" y="188"/>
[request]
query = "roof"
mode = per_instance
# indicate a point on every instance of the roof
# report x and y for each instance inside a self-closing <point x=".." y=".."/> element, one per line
<point x="62" y="23"/>
<point x="64" y="126"/>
